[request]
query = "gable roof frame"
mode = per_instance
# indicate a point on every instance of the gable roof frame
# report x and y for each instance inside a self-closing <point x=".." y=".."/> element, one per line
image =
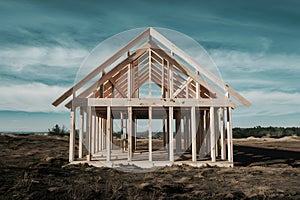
<point x="150" y="32"/>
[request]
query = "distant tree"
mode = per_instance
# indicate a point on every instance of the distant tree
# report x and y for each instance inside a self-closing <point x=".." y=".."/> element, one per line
<point x="56" y="130"/>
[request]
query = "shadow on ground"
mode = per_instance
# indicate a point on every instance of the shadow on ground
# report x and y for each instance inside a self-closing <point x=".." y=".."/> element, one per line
<point x="250" y="156"/>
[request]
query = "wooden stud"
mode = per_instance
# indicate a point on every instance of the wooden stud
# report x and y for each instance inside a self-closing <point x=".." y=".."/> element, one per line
<point x="222" y="130"/>
<point x="129" y="133"/>
<point x="178" y="131"/>
<point x="88" y="132"/>
<point x="93" y="135"/>
<point x="72" y="135"/>
<point x="186" y="130"/>
<point x="197" y="87"/>
<point x="212" y="134"/>
<point x="229" y="135"/>
<point x="150" y="84"/>
<point x="96" y="134"/>
<point x="129" y="81"/>
<point x="193" y="126"/>
<point x="171" y="145"/>
<point x="81" y="127"/>
<point x="108" y="134"/>
<point x="100" y="134"/>
<point x="150" y="133"/>
<point x="217" y="132"/>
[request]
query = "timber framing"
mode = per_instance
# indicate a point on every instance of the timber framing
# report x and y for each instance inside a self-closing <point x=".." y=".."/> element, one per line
<point x="156" y="80"/>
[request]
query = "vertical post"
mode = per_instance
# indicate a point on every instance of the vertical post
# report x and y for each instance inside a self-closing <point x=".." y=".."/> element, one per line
<point x="108" y="133"/>
<point x="164" y="132"/>
<point x="134" y="130"/>
<point x="121" y="132"/>
<point x="93" y="135"/>
<point x="197" y="88"/>
<point x="212" y="133"/>
<point x="222" y="129"/>
<point x="129" y="79"/>
<point x="88" y="131"/>
<point x="100" y="133"/>
<point x="171" y="151"/>
<point x="171" y="80"/>
<point x="163" y="79"/>
<point x="150" y="133"/>
<point x="97" y="134"/>
<point x="229" y="135"/>
<point x="178" y="131"/>
<point x="150" y="86"/>
<point x="186" y="130"/>
<point x="72" y="135"/>
<point x="193" y="126"/>
<point x="205" y="145"/>
<point x="129" y="133"/>
<point x="217" y="132"/>
<point x="104" y="133"/>
<point x="81" y="126"/>
<point x="189" y="133"/>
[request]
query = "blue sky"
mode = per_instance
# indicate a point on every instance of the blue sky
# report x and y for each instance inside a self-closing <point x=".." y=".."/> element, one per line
<point x="255" y="45"/>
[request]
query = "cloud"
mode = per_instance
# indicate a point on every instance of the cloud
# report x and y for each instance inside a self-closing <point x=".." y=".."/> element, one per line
<point x="31" y="97"/>
<point x="270" y="103"/>
<point x="18" y="58"/>
<point x="254" y="61"/>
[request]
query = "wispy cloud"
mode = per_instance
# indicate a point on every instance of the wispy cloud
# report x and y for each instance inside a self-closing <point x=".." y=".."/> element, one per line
<point x="18" y="58"/>
<point x="270" y="103"/>
<point x="31" y="97"/>
<point x="255" y="61"/>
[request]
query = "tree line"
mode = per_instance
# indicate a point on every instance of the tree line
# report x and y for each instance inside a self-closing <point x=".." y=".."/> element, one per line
<point x="258" y="131"/>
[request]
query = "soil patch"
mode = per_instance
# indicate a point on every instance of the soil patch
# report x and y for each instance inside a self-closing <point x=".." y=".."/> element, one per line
<point x="35" y="167"/>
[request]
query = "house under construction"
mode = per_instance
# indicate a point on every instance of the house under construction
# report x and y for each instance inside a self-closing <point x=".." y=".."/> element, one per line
<point x="153" y="80"/>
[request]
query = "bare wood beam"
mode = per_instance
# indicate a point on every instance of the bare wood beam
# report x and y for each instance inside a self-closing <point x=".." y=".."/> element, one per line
<point x="183" y="86"/>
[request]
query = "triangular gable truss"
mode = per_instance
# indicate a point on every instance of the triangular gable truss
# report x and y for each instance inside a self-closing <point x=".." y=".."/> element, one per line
<point x="185" y="81"/>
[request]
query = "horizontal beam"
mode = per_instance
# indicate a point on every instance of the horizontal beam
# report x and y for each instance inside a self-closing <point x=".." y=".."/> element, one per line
<point x="146" y="102"/>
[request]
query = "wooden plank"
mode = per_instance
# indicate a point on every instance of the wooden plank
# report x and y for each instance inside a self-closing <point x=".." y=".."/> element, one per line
<point x="222" y="130"/>
<point x="108" y="134"/>
<point x="150" y="85"/>
<point x="117" y="88"/>
<point x="178" y="131"/>
<point x="63" y="97"/>
<point x="81" y="127"/>
<point x="229" y="135"/>
<point x="93" y="135"/>
<point x="183" y="86"/>
<point x="129" y="81"/>
<point x="100" y="134"/>
<point x="72" y="136"/>
<point x="212" y="134"/>
<point x="196" y="65"/>
<point x="171" y="145"/>
<point x="88" y="132"/>
<point x="129" y="133"/>
<point x="150" y="133"/>
<point x="140" y="102"/>
<point x="193" y="126"/>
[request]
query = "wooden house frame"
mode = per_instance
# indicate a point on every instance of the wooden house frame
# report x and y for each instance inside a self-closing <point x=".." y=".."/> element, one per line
<point x="192" y="97"/>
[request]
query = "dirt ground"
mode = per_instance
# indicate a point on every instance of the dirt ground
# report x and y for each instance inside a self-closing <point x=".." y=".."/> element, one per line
<point x="35" y="167"/>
